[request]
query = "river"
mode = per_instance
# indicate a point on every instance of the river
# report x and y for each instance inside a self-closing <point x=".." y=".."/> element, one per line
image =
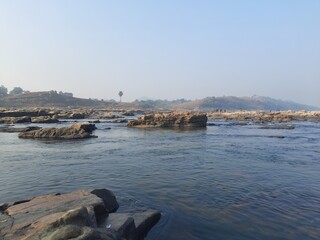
<point x="224" y="182"/>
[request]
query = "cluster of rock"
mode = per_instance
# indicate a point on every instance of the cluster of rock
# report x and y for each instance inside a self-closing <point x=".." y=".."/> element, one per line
<point x="13" y="120"/>
<point x="53" y="115"/>
<point x="27" y="116"/>
<point x="170" y="120"/>
<point x="262" y="117"/>
<point x="23" y="113"/>
<point x="75" y="131"/>
<point x="82" y="214"/>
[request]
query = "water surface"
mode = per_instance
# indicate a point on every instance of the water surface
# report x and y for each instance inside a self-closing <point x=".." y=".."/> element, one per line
<point x="223" y="182"/>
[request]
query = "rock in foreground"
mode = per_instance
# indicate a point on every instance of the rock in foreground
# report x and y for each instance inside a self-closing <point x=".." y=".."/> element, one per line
<point x="83" y="214"/>
<point x="75" y="131"/>
<point x="170" y="120"/>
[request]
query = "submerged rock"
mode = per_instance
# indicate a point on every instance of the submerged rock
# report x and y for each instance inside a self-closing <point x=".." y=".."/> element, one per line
<point x="75" y="131"/>
<point x="277" y="127"/>
<point x="170" y="120"/>
<point x="83" y="214"/>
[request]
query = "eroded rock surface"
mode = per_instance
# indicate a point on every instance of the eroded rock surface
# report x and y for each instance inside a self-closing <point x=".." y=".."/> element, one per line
<point x="170" y="120"/>
<point x="83" y="214"/>
<point x="75" y="131"/>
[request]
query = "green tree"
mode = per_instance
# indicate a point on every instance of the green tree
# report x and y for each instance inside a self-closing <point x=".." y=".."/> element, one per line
<point x="120" y="95"/>
<point x="3" y="91"/>
<point x="16" y="90"/>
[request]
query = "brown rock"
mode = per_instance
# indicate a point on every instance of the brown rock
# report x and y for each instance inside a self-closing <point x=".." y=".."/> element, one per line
<point x="22" y="113"/>
<point x="76" y="131"/>
<point x="170" y="120"/>
<point x="12" y="120"/>
<point x="77" y="115"/>
<point x="44" y="120"/>
<point x="82" y="214"/>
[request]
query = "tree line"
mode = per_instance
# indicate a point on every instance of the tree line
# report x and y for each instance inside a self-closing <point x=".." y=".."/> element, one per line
<point x="18" y="90"/>
<point x="14" y="91"/>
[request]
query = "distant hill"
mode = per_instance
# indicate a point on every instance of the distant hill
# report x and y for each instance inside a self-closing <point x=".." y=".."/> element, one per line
<point x="54" y="99"/>
<point x="46" y="99"/>
<point x="241" y="103"/>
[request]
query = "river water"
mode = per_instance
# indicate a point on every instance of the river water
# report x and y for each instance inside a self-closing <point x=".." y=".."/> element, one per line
<point x="224" y="182"/>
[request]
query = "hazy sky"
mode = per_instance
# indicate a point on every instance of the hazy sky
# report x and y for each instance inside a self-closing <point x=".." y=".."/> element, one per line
<point x="163" y="49"/>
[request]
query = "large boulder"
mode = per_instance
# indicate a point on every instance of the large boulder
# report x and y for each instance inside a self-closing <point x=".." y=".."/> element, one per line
<point x="75" y="131"/>
<point x="170" y="120"/>
<point x="82" y="214"/>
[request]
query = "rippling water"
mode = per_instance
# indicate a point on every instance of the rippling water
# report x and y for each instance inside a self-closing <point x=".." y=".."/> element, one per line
<point x="223" y="182"/>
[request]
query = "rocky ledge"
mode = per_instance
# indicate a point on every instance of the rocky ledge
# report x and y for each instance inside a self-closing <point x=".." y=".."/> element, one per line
<point x="83" y="214"/>
<point x="170" y="120"/>
<point x="265" y="117"/>
<point x="10" y="129"/>
<point x="75" y="131"/>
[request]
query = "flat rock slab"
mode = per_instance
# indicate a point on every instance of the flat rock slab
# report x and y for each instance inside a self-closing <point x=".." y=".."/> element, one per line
<point x="83" y="214"/>
<point x="22" y="113"/>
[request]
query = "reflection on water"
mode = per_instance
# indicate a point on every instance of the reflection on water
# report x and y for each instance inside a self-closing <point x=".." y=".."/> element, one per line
<point x="224" y="182"/>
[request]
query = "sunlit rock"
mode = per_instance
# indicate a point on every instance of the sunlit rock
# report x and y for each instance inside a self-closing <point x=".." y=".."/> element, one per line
<point x="170" y="120"/>
<point x="75" y="131"/>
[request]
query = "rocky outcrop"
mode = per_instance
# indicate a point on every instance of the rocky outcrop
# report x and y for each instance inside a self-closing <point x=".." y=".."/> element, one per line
<point x="12" y="120"/>
<point x="83" y="214"/>
<point x="44" y="120"/>
<point x="119" y="120"/>
<point x="105" y="116"/>
<point x="23" y="113"/>
<point x="75" y="131"/>
<point x="264" y="117"/>
<point x="170" y="120"/>
<point x="128" y="113"/>
<point x="77" y="115"/>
